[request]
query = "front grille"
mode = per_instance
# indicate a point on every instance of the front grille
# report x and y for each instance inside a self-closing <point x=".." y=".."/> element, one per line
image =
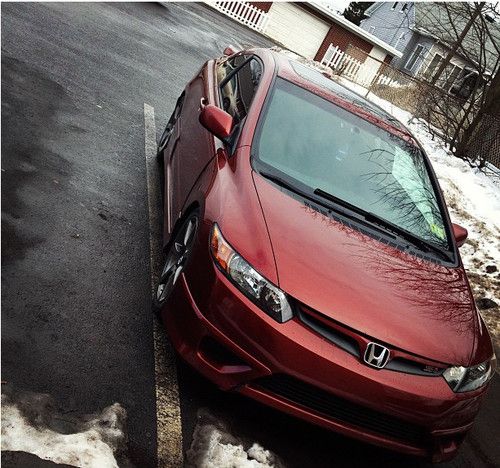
<point x="353" y="343"/>
<point x="331" y="333"/>
<point x="336" y="408"/>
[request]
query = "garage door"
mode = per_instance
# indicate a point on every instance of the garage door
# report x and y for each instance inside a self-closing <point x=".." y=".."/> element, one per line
<point x="296" y="29"/>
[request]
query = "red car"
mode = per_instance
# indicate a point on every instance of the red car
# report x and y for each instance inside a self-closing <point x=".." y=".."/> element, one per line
<point x="310" y="262"/>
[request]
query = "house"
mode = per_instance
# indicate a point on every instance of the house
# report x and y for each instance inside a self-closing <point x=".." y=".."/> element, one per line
<point x="307" y="28"/>
<point x="419" y="31"/>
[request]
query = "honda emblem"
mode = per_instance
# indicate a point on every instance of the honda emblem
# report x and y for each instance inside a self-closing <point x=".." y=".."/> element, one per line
<point x="376" y="355"/>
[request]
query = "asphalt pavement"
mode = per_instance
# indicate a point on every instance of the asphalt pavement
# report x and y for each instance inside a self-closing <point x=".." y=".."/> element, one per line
<point x="76" y="308"/>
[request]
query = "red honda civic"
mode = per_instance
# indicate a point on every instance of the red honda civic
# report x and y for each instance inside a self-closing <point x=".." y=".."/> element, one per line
<point x="310" y="261"/>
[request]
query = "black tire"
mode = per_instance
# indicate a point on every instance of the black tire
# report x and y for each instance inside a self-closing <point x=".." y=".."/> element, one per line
<point x="177" y="256"/>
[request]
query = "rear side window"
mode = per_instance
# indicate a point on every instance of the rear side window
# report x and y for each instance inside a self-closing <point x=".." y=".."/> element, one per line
<point x="237" y="93"/>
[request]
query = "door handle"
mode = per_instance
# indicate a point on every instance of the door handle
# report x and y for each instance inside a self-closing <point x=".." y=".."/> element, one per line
<point x="203" y="102"/>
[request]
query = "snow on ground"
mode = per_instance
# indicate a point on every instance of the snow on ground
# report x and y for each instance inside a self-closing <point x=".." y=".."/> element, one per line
<point x="30" y="424"/>
<point x="214" y="447"/>
<point x="473" y="199"/>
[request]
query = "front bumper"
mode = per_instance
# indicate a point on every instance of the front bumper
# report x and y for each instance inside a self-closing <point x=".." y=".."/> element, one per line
<point x="291" y="368"/>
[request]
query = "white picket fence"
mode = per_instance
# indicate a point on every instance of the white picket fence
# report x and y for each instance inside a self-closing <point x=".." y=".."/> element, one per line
<point x="355" y="70"/>
<point x="385" y="80"/>
<point x="244" y="13"/>
<point x="338" y="60"/>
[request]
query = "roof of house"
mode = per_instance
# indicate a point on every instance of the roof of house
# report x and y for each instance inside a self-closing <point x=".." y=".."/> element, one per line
<point x="431" y="19"/>
<point x="373" y="8"/>
<point x="329" y="11"/>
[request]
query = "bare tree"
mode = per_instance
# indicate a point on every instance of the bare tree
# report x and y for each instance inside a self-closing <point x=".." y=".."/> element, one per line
<point x="459" y="100"/>
<point x="480" y="141"/>
<point x="458" y="43"/>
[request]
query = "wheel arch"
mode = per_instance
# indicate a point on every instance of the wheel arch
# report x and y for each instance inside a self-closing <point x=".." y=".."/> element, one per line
<point x="193" y="206"/>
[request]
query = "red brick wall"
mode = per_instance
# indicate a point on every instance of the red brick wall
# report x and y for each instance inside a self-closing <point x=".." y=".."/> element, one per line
<point x="343" y="38"/>
<point x="264" y="6"/>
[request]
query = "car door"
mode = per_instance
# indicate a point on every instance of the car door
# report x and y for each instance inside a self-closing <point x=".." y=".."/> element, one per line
<point x="193" y="146"/>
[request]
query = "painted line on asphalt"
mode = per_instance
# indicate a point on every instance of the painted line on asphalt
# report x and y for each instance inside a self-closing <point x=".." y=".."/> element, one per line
<point x="168" y="415"/>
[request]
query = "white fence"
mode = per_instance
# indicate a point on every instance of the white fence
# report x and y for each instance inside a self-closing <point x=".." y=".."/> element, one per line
<point x="244" y="13"/>
<point x="385" y="80"/>
<point x="339" y="60"/>
<point x="363" y="73"/>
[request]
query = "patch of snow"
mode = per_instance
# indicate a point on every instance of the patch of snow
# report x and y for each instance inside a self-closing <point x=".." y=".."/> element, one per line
<point x="214" y="447"/>
<point x="258" y="453"/>
<point x="92" y="443"/>
<point x="357" y="88"/>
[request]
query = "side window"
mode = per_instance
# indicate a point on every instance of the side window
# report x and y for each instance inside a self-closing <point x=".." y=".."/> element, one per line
<point x="237" y="93"/>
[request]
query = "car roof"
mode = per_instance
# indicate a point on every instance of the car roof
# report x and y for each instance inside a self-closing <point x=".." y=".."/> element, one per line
<point x="312" y="79"/>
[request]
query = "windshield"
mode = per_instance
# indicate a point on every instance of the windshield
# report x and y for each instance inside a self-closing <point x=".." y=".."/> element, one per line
<point x="315" y="144"/>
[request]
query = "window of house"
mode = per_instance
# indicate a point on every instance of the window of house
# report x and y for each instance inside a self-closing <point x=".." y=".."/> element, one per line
<point x="237" y="93"/>
<point x="433" y="66"/>
<point x="417" y="53"/>
<point x="404" y="8"/>
<point x="450" y="74"/>
<point x="465" y="83"/>
<point x="394" y="5"/>
<point x="450" y="79"/>
<point x="372" y="29"/>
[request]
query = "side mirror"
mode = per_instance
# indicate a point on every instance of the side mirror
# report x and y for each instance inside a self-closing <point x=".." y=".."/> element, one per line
<point x="460" y="234"/>
<point x="229" y="50"/>
<point x="216" y="121"/>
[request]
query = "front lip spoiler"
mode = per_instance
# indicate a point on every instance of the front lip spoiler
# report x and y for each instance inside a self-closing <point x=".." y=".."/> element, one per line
<point x="452" y="431"/>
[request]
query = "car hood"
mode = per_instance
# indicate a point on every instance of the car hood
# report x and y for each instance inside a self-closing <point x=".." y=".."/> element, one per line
<point x="391" y="296"/>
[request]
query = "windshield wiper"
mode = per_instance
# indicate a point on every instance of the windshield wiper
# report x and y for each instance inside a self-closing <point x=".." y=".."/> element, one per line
<point x="387" y="225"/>
<point x="339" y="201"/>
<point x="283" y="183"/>
<point x="347" y="209"/>
<point x="346" y="213"/>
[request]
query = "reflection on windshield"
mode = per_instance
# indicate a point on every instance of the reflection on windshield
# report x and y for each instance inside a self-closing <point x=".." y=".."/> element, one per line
<point x="315" y="144"/>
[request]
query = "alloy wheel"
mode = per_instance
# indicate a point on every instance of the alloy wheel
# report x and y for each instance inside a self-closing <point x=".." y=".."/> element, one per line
<point x="176" y="259"/>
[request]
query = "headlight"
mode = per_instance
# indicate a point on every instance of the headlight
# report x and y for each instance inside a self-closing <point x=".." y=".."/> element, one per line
<point x="465" y="379"/>
<point x="266" y="295"/>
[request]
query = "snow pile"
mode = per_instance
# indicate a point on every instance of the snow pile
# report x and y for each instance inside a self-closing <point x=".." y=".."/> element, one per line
<point x="214" y="447"/>
<point x="30" y="424"/>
